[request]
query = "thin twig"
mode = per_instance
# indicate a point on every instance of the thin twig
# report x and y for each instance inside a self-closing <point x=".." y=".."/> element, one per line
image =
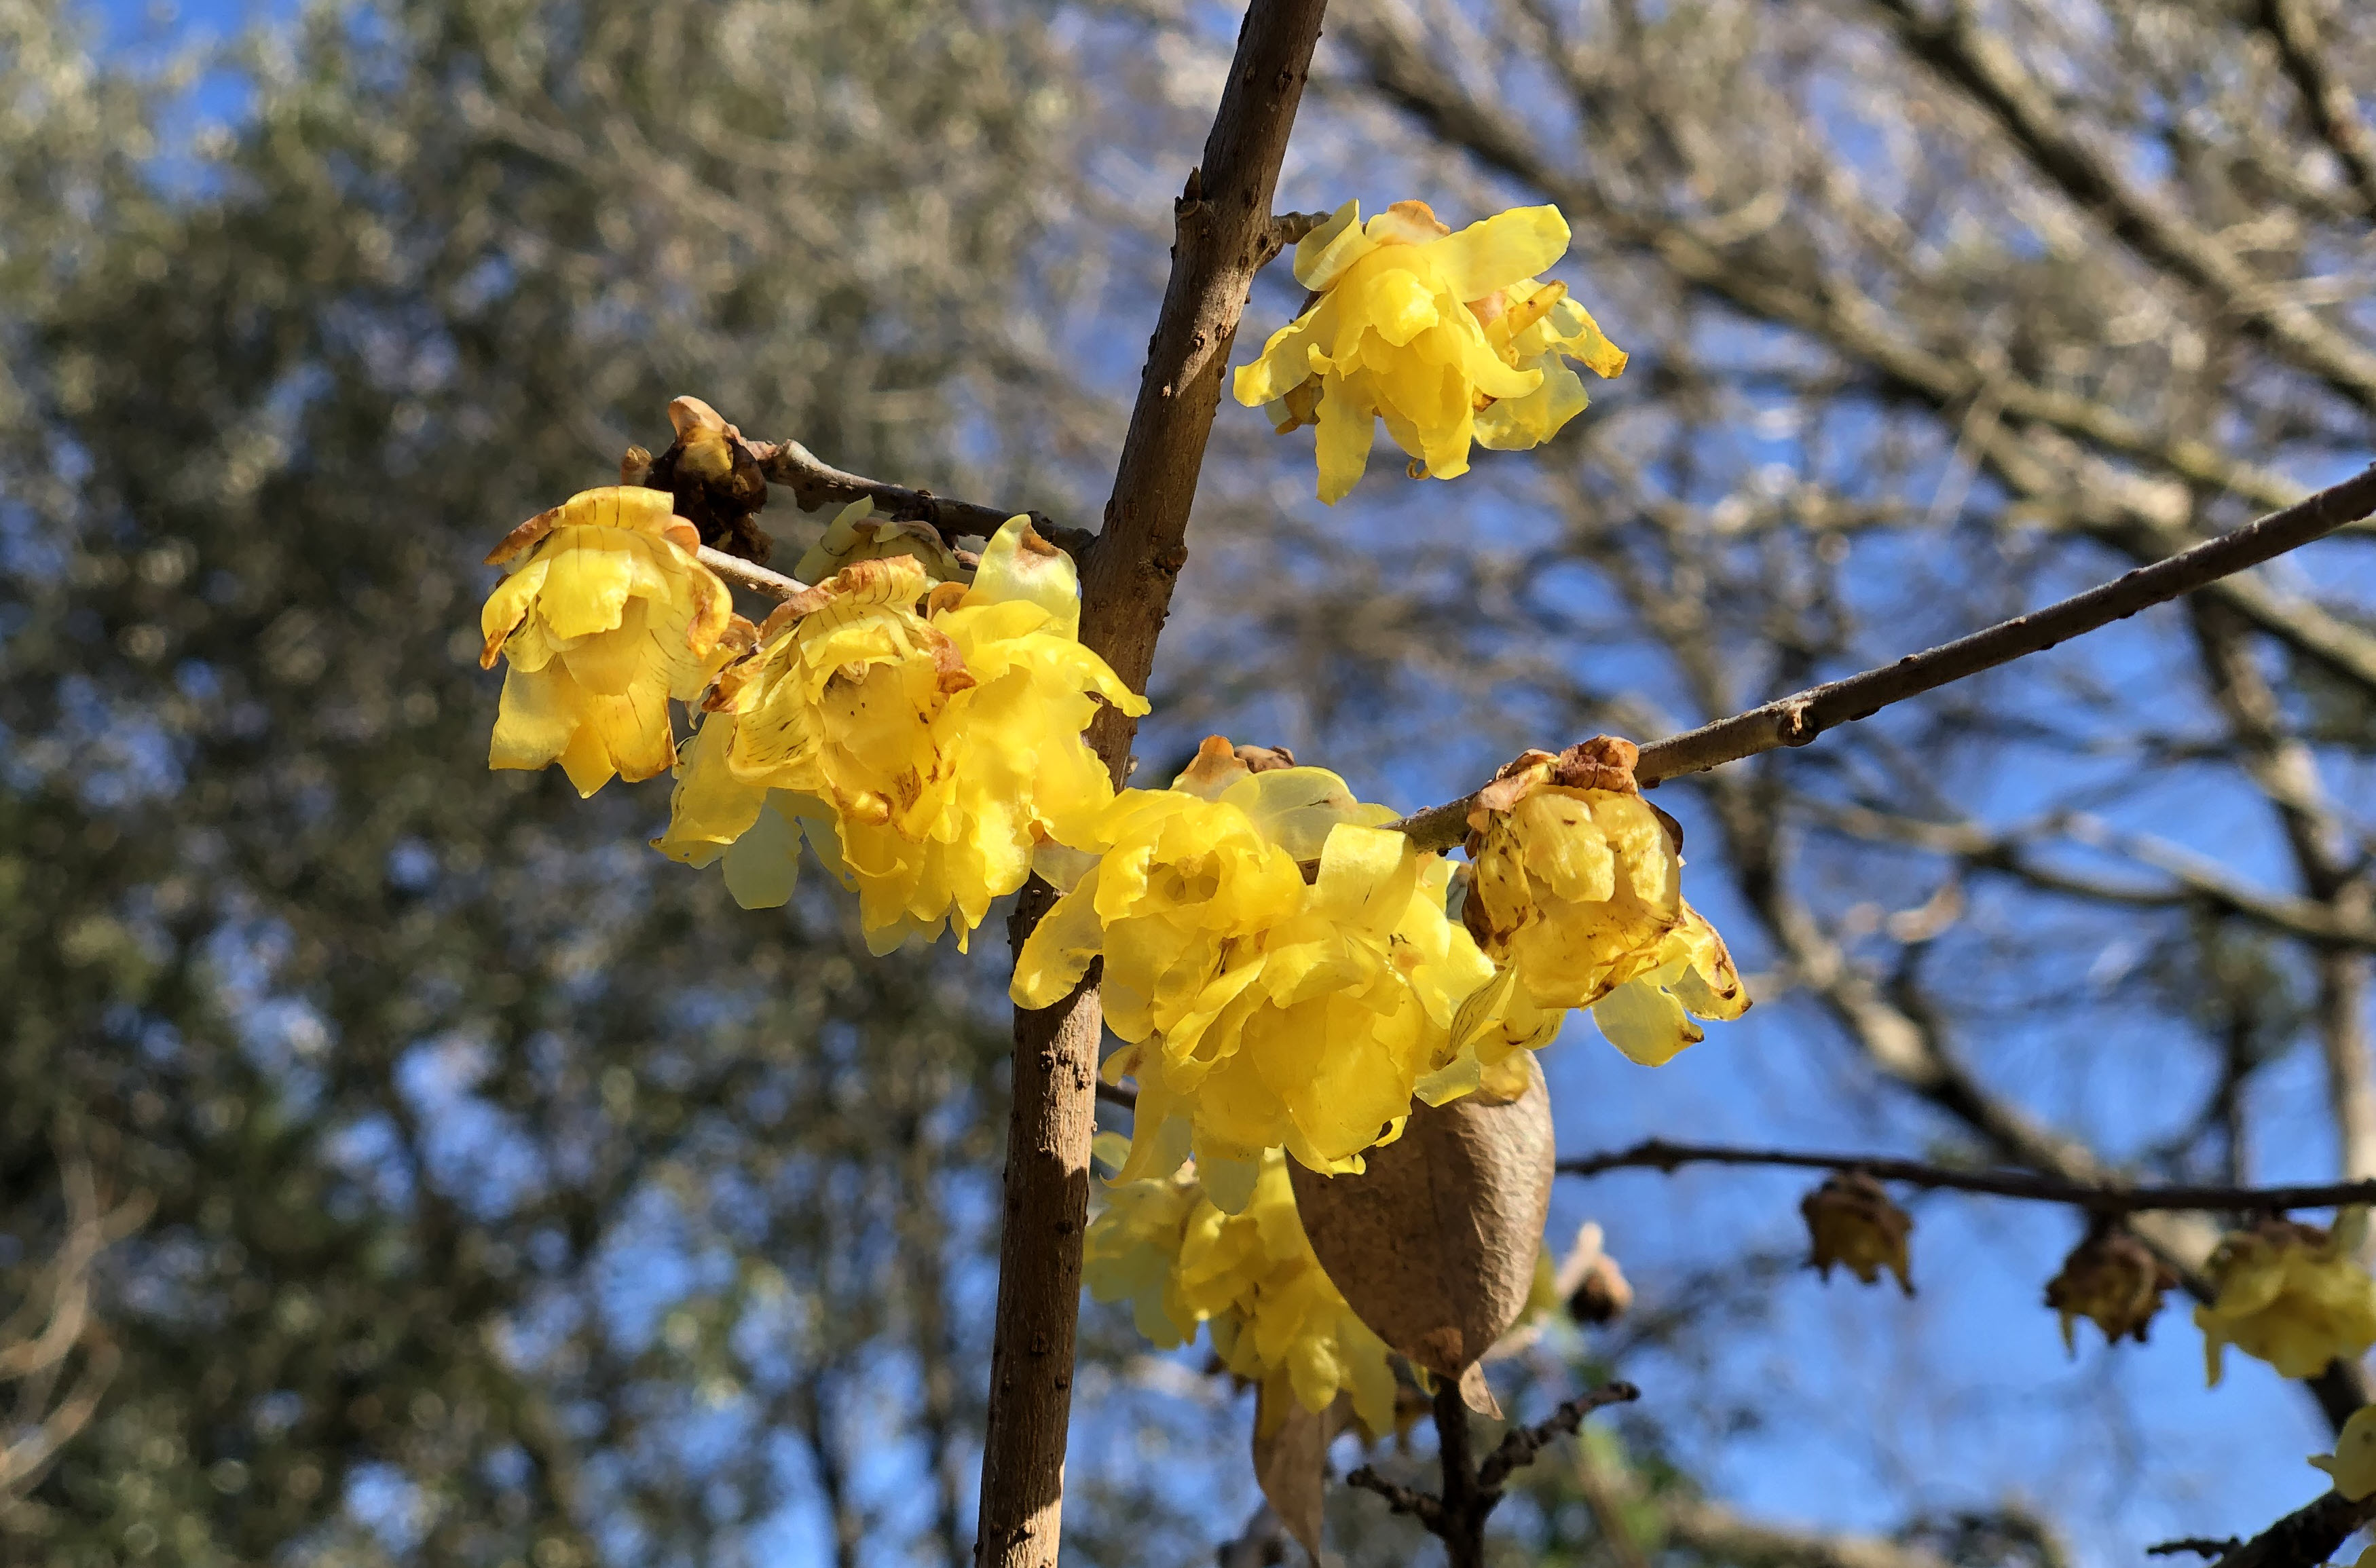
<point x="1520" y="1445"/>
<point x="1471" y="1492"/>
<point x="745" y="573"/>
<point x="2305" y="1538"/>
<point x="1796" y="720"/>
<point x="815" y="483"/>
<point x="1657" y="1154"/>
<point x="2201" y="1546"/>
<point x="1400" y="1499"/>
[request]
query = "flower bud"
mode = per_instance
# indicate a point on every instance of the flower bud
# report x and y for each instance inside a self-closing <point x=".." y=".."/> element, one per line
<point x="1850" y="1221"/>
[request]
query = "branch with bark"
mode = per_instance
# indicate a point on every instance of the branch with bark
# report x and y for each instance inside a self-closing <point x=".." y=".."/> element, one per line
<point x="1796" y="720"/>
<point x="1471" y="1490"/>
<point x="1224" y="234"/>
<point x="1661" y="1154"/>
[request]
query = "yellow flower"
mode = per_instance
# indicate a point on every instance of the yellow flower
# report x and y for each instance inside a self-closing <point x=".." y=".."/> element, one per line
<point x="752" y="832"/>
<point x="1163" y="1244"/>
<point x="2353" y="1463"/>
<point x="1260" y="1011"/>
<point x="605" y="614"/>
<point x="1448" y="337"/>
<point x="1577" y="893"/>
<point x="2291" y="1295"/>
<point x="942" y="745"/>
<point x="857" y="534"/>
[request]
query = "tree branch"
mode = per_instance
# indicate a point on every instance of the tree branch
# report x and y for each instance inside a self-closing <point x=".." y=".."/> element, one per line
<point x="750" y="574"/>
<point x="1796" y="720"/>
<point x="1657" y="1154"/>
<point x="1224" y="233"/>
<point x="1471" y="1492"/>
<point x="2332" y="108"/>
<point x="2305" y="1538"/>
<point x="817" y="483"/>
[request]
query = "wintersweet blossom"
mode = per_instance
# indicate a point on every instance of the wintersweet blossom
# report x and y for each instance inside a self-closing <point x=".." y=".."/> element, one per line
<point x="2353" y="1463"/>
<point x="1577" y="893"/>
<point x="1448" y="337"/>
<point x="1249" y="1277"/>
<point x="2290" y="1294"/>
<point x="604" y="613"/>
<point x="937" y="731"/>
<point x="1260" y="1011"/>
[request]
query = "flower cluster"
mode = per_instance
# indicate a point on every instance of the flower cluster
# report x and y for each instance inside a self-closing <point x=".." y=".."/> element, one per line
<point x="604" y="612"/>
<point x="1249" y="1278"/>
<point x="1261" y="1011"/>
<point x="936" y="729"/>
<point x="2290" y="1294"/>
<point x="1449" y="338"/>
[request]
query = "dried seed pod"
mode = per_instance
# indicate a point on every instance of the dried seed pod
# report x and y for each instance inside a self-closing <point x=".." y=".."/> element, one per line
<point x="1433" y="1245"/>
<point x="2114" y="1280"/>
<point x="1851" y="1221"/>
<point x="1291" y="1462"/>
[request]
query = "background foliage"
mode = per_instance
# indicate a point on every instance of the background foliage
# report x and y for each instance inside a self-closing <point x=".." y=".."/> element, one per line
<point x="517" y="1200"/>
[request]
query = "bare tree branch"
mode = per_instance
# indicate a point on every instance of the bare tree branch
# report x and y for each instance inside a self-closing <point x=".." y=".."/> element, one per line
<point x="1796" y="720"/>
<point x="1659" y="1154"/>
<point x="1224" y="234"/>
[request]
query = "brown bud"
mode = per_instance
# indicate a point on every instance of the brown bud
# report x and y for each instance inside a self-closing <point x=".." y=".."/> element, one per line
<point x="2112" y="1279"/>
<point x="1604" y="1296"/>
<point x="1266" y="759"/>
<point x="1850" y="1221"/>
<point x="635" y="466"/>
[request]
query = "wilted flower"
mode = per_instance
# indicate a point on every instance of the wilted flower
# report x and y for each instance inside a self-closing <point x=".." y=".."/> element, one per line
<point x="1165" y="1246"/>
<point x="2113" y="1279"/>
<point x="2290" y="1294"/>
<point x="2353" y="1463"/>
<point x="1579" y="894"/>
<point x="1850" y="1221"/>
<point x="1448" y="337"/>
<point x="1261" y="1011"/>
<point x="857" y="534"/>
<point x="943" y="744"/>
<point x="604" y="614"/>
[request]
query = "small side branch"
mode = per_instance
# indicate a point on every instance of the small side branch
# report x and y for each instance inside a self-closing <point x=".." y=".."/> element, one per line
<point x="2200" y="1546"/>
<point x="817" y="483"/>
<point x="1657" y="1154"/>
<point x="1520" y="1445"/>
<point x="1471" y="1492"/>
<point x="1796" y="720"/>
<point x="2305" y="1538"/>
<point x="750" y="574"/>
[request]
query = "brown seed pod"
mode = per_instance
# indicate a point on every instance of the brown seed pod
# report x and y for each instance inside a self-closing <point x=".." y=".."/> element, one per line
<point x="1850" y="1220"/>
<point x="2113" y="1279"/>
<point x="1433" y="1246"/>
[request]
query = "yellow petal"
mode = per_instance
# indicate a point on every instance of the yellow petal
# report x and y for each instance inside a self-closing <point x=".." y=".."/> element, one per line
<point x="1344" y="438"/>
<point x="1018" y="565"/>
<point x="1499" y="251"/>
<point x="1322" y="256"/>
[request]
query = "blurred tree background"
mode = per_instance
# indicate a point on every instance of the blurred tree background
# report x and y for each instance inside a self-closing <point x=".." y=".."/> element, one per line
<point x="492" y="1192"/>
